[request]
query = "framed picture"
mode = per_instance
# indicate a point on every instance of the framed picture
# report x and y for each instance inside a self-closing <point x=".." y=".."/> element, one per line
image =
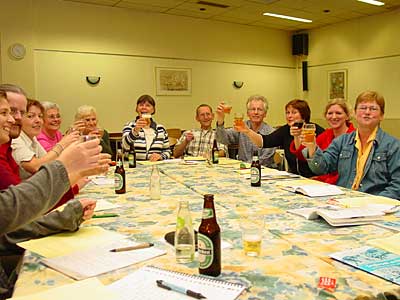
<point x="173" y="81"/>
<point x="337" y="84"/>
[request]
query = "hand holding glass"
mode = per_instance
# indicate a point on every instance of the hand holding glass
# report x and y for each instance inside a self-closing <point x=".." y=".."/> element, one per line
<point x="238" y="120"/>
<point x="308" y="133"/>
<point x="227" y="107"/>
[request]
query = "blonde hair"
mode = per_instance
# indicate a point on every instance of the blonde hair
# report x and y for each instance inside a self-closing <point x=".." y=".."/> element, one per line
<point x="84" y="110"/>
<point x="370" y="96"/>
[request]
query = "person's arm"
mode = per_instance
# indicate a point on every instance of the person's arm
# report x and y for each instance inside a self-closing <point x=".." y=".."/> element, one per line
<point x="129" y="135"/>
<point x="323" y="162"/>
<point x="393" y="167"/>
<point x="180" y="146"/>
<point x="21" y="204"/>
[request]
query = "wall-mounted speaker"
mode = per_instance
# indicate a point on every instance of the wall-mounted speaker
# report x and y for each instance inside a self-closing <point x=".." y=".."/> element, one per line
<point x="304" y="74"/>
<point x="300" y="44"/>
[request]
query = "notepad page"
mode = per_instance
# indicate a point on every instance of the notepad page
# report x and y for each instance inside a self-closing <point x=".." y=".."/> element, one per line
<point x="100" y="260"/>
<point x="141" y="285"/>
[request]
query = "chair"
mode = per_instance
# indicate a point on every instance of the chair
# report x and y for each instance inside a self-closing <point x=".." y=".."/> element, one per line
<point x="280" y="160"/>
<point x="174" y="132"/>
<point x="233" y="150"/>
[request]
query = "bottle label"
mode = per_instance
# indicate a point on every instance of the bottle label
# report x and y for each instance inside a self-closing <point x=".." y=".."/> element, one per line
<point x="206" y="251"/>
<point x="118" y="181"/>
<point x="255" y="175"/>
<point x="119" y="163"/>
<point x="130" y="158"/>
<point x="215" y="158"/>
<point x="207" y="213"/>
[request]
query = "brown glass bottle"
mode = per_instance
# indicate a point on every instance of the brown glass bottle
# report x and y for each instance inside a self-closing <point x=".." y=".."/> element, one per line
<point x="255" y="171"/>
<point x="119" y="175"/>
<point x="209" y="240"/>
<point x="132" y="157"/>
<point x="215" y="153"/>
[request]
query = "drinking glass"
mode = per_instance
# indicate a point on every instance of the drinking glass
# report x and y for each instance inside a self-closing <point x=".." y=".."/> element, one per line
<point x="308" y="132"/>
<point x="147" y="118"/>
<point x="252" y="226"/>
<point x="227" y="107"/>
<point x="238" y="120"/>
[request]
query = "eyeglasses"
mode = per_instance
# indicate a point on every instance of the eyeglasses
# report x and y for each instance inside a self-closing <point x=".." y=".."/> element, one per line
<point x="53" y="117"/>
<point x="255" y="110"/>
<point x="372" y="108"/>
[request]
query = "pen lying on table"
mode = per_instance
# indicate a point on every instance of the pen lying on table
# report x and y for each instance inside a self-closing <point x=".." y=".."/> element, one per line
<point x="105" y="216"/>
<point x="140" y="246"/>
<point x="169" y="286"/>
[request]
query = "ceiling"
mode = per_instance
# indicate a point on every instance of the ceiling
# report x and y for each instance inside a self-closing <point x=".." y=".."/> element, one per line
<point x="250" y="12"/>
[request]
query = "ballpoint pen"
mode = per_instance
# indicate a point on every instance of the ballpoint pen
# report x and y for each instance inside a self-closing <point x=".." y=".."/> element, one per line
<point x="172" y="287"/>
<point x="140" y="246"/>
<point x="105" y="216"/>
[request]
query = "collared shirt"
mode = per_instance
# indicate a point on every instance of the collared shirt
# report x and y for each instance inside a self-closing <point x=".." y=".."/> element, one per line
<point x="201" y="143"/>
<point x="362" y="156"/>
<point x="24" y="149"/>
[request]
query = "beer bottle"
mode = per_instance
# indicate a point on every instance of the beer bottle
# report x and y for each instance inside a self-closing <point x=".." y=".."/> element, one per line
<point x="215" y="152"/>
<point x="209" y="240"/>
<point x="119" y="174"/>
<point x="255" y="170"/>
<point x="132" y="157"/>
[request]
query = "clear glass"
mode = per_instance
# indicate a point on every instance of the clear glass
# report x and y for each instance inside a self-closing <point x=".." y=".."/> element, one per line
<point x="252" y="226"/>
<point x="184" y="234"/>
<point x="155" y="183"/>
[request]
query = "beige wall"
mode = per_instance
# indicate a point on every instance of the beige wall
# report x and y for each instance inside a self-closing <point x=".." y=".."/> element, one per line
<point x="67" y="41"/>
<point x="72" y="40"/>
<point x="369" y="48"/>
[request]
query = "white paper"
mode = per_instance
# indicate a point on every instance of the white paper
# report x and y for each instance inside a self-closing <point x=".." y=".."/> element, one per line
<point x="99" y="260"/>
<point x="141" y="285"/>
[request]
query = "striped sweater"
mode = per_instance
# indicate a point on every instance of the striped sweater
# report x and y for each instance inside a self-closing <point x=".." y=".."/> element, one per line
<point x="159" y="145"/>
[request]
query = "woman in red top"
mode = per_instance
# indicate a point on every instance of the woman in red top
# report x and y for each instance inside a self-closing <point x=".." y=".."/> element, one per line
<point x="337" y="114"/>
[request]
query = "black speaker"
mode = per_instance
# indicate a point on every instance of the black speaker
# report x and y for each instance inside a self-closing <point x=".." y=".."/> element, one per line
<point x="304" y="73"/>
<point x="300" y="44"/>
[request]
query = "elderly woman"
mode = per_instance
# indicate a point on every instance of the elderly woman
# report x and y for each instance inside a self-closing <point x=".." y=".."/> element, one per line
<point x="368" y="159"/>
<point x="337" y="114"/>
<point x="88" y="115"/>
<point x="51" y="133"/>
<point x="149" y="138"/>
<point x="296" y="110"/>
<point x="27" y="151"/>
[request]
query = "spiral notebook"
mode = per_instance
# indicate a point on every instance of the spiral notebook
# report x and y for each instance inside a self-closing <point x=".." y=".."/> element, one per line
<point x="142" y="285"/>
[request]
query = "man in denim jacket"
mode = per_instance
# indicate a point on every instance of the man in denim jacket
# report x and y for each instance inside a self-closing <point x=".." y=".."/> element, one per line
<point x="367" y="160"/>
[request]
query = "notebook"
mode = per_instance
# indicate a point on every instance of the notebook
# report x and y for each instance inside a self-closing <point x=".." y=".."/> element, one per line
<point x="314" y="190"/>
<point x="142" y="285"/>
<point x="99" y="260"/>
<point x="338" y="216"/>
<point x="376" y="261"/>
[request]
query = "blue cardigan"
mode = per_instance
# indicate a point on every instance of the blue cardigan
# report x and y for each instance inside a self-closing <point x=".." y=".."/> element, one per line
<point x="382" y="170"/>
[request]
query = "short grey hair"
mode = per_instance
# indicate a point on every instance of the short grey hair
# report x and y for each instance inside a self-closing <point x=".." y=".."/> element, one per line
<point x="12" y="88"/>
<point x="84" y="110"/>
<point x="50" y="105"/>
<point x="258" y="98"/>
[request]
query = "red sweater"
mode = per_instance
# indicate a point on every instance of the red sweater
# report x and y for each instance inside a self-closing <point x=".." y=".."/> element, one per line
<point x="323" y="141"/>
<point x="9" y="174"/>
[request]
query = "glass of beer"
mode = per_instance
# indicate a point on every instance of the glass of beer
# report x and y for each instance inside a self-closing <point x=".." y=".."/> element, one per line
<point x="227" y="107"/>
<point x="308" y="132"/>
<point x="252" y="226"/>
<point x="238" y="120"/>
<point x="147" y="118"/>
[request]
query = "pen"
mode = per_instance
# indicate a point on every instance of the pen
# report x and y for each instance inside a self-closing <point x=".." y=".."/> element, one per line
<point x="140" y="246"/>
<point x="169" y="286"/>
<point x="105" y="216"/>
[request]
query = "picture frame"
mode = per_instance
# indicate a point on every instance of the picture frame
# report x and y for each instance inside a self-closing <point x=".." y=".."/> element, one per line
<point x="173" y="81"/>
<point x="337" y="84"/>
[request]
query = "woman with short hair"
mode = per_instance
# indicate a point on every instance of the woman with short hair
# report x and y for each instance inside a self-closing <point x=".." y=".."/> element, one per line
<point x="149" y="139"/>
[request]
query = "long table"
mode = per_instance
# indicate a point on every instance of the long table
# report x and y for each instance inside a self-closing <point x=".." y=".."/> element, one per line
<point x="295" y="251"/>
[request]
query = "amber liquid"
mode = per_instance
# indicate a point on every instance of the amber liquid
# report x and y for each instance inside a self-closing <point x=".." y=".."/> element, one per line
<point x="309" y="135"/>
<point x="238" y="122"/>
<point x="227" y="109"/>
<point x="252" y="245"/>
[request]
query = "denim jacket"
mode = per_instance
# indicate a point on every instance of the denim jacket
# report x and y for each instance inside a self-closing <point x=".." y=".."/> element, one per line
<point x="382" y="170"/>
